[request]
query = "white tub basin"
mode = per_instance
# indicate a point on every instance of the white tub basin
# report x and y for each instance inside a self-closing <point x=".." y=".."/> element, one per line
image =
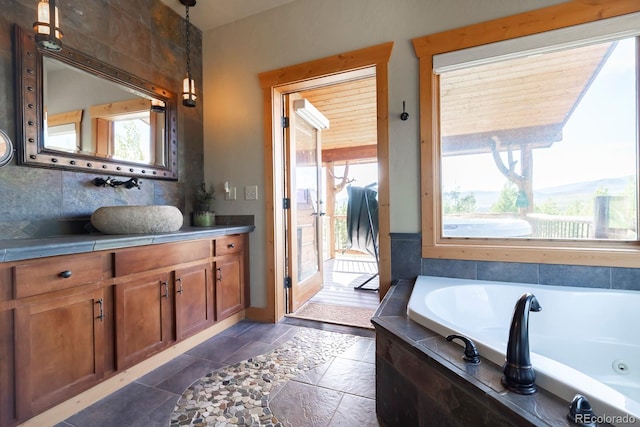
<point x="137" y="219"/>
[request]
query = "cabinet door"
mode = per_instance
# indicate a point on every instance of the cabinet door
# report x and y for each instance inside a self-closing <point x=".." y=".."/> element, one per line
<point x="229" y="285"/>
<point x="194" y="299"/>
<point x="143" y="318"/>
<point x="59" y="349"/>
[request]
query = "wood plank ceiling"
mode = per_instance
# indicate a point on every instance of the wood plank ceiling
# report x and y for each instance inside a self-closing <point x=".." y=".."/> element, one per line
<point x="526" y="100"/>
<point x="351" y="110"/>
<point x="475" y="106"/>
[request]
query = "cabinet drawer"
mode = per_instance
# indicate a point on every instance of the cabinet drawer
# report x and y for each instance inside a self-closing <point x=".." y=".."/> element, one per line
<point x="229" y="244"/>
<point x="39" y="277"/>
<point x="151" y="257"/>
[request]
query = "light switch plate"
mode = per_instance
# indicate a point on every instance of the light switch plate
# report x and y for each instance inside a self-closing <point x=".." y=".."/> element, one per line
<point x="251" y="192"/>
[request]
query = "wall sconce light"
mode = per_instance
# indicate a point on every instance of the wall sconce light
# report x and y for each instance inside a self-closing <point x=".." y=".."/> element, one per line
<point x="45" y="37"/>
<point x="188" y="85"/>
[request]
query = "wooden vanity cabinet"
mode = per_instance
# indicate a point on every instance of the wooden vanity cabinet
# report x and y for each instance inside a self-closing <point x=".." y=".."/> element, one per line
<point x="229" y="275"/>
<point x="194" y="304"/>
<point x="59" y="349"/>
<point x="158" y="302"/>
<point x="144" y="323"/>
<point x="69" y="322"/>
<point x="60" y="320"/>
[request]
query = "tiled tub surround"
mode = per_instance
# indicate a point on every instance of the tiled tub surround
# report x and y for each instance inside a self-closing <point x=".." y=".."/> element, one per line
<point x="421" y="379"/>
<point x="406" y="263"/>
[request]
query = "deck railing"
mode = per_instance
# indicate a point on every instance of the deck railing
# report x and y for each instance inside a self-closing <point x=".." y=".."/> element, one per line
<point x="545" y="226"/>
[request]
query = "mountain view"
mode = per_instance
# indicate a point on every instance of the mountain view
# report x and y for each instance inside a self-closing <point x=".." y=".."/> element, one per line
<point x="563" y="195"/>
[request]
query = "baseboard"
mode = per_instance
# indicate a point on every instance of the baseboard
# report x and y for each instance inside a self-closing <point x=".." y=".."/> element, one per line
<point x="260" y="314"/>
<point x="88" y="397"/>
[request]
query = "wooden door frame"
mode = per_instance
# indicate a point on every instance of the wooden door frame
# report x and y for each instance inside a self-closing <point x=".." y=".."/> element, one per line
<point x="330" y="70"/>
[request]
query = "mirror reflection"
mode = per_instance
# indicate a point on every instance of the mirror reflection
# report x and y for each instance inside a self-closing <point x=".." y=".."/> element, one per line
<point x="87" y="115"/>
<point x="78" y="113"/>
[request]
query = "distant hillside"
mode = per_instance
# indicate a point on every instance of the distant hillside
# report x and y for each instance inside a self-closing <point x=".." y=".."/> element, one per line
<point x="561" y="194"/>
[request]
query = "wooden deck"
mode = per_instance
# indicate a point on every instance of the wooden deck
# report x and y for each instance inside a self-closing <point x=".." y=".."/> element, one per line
<point x="341" y="275"/>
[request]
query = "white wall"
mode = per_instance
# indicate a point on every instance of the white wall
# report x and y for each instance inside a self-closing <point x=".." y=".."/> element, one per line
<point x="234" y="55"/>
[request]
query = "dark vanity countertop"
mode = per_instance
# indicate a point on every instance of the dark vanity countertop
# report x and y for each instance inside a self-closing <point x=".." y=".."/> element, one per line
<point x="541" y="408"/>
<point x="22" y="249"/>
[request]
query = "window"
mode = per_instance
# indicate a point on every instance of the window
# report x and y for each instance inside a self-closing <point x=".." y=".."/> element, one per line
<point x="530" y="140"/>
<point x="542" y="146"/>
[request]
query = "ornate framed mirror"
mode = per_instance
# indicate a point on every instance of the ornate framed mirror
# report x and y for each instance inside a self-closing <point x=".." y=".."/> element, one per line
<point x="78" y="113"/>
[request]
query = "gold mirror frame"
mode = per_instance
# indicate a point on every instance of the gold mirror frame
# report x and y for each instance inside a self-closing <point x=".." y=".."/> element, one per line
<point x="29" y="108"/>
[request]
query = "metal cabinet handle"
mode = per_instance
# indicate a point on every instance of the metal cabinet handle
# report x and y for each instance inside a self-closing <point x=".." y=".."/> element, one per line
<point x="219" y="278"/>
<point x="231" y="245"/>
<point x="65" y="274"/>
<point x="101" y="315"/>
<point x="166" y="289"/>
<point x="180" y="290"/>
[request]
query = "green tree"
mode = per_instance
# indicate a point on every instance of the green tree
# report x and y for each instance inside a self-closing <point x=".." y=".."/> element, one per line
<point x="127" y="141"/>
<point x="507" y="200"/>
<point x="579" y="208"/>
<point x="549" y="207"/>
<point x="454" y="202"/>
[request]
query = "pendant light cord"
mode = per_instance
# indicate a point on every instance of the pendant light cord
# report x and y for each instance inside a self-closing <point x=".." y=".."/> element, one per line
<point x="188" y="48"/>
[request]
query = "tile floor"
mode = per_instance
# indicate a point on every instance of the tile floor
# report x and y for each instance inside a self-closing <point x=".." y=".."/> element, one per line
<point x="339" y="392"/>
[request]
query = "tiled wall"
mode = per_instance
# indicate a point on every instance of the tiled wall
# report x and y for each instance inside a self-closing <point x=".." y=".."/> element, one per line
<point x="143" y="37"/>
<point x="406" y="263"/>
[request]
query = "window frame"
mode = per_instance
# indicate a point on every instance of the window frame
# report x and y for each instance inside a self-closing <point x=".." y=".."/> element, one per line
<point x="602" y="253"/>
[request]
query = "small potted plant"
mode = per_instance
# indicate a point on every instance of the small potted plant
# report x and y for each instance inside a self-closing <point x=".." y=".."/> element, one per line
<point x="204" y="197"/>
<point x="203" y="215"/>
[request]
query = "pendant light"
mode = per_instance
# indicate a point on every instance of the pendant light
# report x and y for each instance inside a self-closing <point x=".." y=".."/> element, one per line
<point x="45" y="37"/>
<point x="188" y="85"/>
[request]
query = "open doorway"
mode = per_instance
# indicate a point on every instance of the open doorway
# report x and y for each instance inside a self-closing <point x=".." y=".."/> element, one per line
<point x="332" y="223"/>
<point x="348" y="66"/>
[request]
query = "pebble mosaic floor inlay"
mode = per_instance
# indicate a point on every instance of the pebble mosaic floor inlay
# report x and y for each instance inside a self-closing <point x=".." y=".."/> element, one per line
<point x="238" y="395"/>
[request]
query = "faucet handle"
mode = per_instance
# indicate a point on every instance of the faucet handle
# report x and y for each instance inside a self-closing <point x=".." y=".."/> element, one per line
<point x="470" y="350"/>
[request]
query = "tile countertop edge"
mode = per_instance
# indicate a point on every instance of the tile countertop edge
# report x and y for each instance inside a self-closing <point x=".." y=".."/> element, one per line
<point x="24" y="249"/>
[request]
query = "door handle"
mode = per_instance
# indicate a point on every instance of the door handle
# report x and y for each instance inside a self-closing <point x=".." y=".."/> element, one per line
<point x="180" y="290"/>
<point x="219" y="278"/>
<point x="166" y="289"/>
<point x="100" y="302"/>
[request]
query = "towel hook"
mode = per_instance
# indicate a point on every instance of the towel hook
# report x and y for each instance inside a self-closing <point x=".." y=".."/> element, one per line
<point x="404" y="116"/>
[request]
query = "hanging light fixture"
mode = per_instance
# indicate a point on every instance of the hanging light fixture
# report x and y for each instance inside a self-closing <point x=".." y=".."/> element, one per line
<point x="188" y="85"/>
<point x="48" y="33"/>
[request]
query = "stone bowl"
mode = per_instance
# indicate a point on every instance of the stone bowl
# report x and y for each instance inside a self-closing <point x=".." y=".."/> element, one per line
<point x="137" y="219"/>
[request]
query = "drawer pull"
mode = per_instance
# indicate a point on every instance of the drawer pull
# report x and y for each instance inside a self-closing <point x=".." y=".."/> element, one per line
<point x="180" y="290"/>
<point x="231" y="245"/>
<point x="166" y="289"/>
<point x="219" y="278"/>
<point x="101" y="303"/>
<point x="65" y="274"/>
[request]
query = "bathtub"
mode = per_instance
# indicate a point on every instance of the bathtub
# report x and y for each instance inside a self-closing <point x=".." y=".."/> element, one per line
<point x="584" y="341"/>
